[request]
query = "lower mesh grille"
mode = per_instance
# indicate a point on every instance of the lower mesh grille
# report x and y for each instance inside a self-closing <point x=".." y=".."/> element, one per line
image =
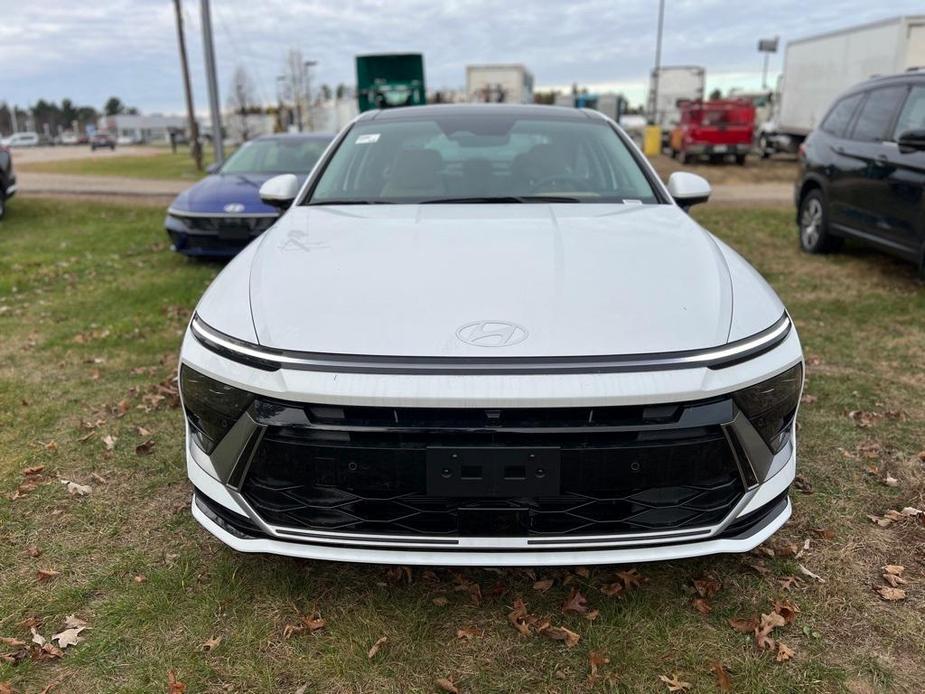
<point x="645" y="475"/>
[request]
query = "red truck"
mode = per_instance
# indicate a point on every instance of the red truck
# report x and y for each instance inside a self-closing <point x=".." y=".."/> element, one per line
<point x="715" y="129"/>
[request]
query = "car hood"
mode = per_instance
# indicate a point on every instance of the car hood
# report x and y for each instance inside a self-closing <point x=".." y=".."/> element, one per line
<point x="433" y="280"/>
<point x="215" y="191"/>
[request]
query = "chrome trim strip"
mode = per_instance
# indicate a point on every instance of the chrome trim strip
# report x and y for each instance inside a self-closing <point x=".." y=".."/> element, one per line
<point x="272" y="359"/>
<point x="231" y="215"/>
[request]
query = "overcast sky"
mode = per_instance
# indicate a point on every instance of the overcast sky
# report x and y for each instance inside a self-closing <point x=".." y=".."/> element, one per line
<point x="88" y="50"/>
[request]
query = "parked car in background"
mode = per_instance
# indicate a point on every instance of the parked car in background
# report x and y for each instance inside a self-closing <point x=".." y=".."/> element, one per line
<point x="489" y="335"/>
<point x="7" y="178"/>
<point x="862" y="172"/>
<point x="715" y="129"/>
<point x="22" y="140"/>
<point x="102" y="141"/>
<point x="69" y="137"/>
<point x="223" y="212"/>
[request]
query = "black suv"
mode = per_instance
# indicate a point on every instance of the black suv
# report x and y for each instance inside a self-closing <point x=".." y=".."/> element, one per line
<point x="7" y="178"/>
<point x="862" y="172"/>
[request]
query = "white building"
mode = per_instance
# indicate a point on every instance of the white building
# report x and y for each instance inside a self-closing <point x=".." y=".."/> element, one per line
<point x="153" y="128"/>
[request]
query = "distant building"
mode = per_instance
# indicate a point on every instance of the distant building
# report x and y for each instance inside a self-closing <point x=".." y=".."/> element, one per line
<point x="509" y="84"/>
<point x="153" y="128"/>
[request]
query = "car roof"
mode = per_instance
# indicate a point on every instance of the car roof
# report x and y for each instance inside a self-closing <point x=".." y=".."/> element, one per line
<point x="916" y="76"/>
<point x="462" y="110"/>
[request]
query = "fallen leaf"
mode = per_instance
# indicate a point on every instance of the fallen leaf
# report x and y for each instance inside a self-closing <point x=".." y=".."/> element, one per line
<point x="142" y="432"/>
<point x="34" y="470"/>
<point x="570" y="638"/>
<point x="891" y="594"/>
<point x="468" y="633"/>
<point x="11" y="642"/>
<point x="446" y="684"/>
<point x="630" y="578"/>
<point x="744" y="626"/>
<point x="99" y="478"/>
<point x="33" y="551"/>
<point x="140" y="578"/>
<point x="440" y="601"/>
<point x="763" y="631"/>
<point x="825" y="533"/>
<point x="583" y="571"/>
<point x="6" y="688"/>
<point x="75" y="489"/>
<point x="612" y="589"/>
<point x="144" y="448"/>
<point x="808" y="399"/>
<point x="810" y="574"/>
<point x="895" y="569"/>
<point x="894" y="580"/>
<point x="68" y="637"/>
<point x="890" y="481"/>
<point x="174" y="686"/>
<point x="72" y="622"/>
<point x="576" y="603"/>
<point x="803" y="484"/>
<point x="596" y="659"/>
<point x="376" y="646"/>
<point x="518" y="617"/>
<point x="787" y="610"/>
<point x="543" y="585"/>
<point x="702" y="605"/>
<point x="784" y="653"/>
<point x="109" y="441"/>
<point x="723" y="681"/>
<point x="591" y="615"/>
<point x="707" y="587"/>
<point x="45" y="574"/>
<point x="675" y="684"/>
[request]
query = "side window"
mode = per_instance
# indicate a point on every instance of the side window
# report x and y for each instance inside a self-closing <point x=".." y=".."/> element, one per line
<point x="840" y="116"/>
<point x="912" y="116"/>
<point x="877" y="114"/>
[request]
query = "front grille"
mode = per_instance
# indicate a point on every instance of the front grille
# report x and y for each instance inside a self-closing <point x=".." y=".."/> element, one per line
<point x="540" y="472"/>
<point x="245" y="226"/>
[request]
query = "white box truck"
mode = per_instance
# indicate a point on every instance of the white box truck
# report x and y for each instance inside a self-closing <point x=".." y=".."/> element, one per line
<point x="509" y="84"/>
<point x="818" y="68"/>
<point x="675" y="83"/>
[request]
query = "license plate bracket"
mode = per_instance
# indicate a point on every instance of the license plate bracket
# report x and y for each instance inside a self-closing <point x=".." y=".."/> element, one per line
<point x="473" y="471"/>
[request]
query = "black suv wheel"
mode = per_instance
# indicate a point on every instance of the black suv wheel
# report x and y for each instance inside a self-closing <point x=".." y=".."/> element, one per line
<point x="815" y="236"/>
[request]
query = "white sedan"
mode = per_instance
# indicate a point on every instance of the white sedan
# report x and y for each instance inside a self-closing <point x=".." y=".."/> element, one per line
<point x="489" y="335"/>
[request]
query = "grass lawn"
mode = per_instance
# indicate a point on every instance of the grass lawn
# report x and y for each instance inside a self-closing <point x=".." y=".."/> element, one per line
<point x="161" y="165"/>
<point x="92" y="307"/>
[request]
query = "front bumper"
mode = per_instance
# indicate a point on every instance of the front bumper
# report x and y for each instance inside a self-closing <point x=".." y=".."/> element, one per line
<point x="247" y="523"/>
<point x="216" y="235"/>
<point x="711" y="149"/>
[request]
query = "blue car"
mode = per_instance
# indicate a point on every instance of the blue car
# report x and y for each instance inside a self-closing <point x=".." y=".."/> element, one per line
<point x="222" y="213"/>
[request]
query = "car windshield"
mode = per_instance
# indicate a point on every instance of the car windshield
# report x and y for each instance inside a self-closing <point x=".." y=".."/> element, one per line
<point x="275" y="156"/>
<point x="482" y="158"/>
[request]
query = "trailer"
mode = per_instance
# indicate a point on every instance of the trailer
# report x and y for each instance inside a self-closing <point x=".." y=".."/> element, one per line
<point x="818" y="68"/>
<point x="669" y="86"/>
<point x="502" y="83"/>
<point x="390" y="80"/>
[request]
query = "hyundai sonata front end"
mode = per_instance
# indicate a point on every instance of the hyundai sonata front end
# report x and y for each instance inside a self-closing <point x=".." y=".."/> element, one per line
<point x="489" y="335"/>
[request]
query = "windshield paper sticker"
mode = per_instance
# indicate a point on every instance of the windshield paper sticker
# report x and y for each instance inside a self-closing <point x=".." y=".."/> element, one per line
<point x="366" y="139"/>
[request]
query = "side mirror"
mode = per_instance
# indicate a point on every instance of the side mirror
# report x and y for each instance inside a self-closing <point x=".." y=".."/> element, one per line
<point x="911" y="141"/>
<point x="688" y="189"/>
<point x="213" y="167"/>
<point x="280" y="190"/>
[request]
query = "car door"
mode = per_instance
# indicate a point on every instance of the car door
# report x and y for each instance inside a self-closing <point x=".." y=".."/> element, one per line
<point x="906" y="182"/>
<point x="867" y="211"/>
<point x="828" y="159"/>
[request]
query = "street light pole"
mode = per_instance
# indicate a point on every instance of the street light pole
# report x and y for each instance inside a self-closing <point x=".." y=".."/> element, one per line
<point x="658" y="61"/>
<point x="217" y="144"/>
<point x="308" y="65"/>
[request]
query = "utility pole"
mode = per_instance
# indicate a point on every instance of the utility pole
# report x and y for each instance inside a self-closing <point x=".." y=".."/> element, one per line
<point x="658" y="60"/>
<point x="195" y="147"/>
<point x="309" y="64"/>
<point x="217" y="144"/>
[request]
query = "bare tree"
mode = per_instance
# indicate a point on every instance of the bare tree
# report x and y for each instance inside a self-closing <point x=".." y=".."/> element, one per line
<point x="243" y="99"/>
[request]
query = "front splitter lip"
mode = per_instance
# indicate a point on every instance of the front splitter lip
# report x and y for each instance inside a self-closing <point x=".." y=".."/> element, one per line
<point x="303" y="550"/>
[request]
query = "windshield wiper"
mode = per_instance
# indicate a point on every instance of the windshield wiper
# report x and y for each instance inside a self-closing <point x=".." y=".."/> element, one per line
<point x="501" y="199"/>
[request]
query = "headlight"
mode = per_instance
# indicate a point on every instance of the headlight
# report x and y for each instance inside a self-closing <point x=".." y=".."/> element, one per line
<point x="212" y="407"/>
<point x="771" y="405"/>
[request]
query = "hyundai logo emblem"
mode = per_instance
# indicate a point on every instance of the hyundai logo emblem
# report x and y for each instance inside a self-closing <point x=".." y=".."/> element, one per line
<point x="234" y="207"/>
<point x="492" y="333"/>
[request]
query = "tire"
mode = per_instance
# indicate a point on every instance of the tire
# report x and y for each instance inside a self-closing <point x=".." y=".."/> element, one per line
<point x="674" y="153"/>
<point x="684" y="158"/>
<point x="2" y="203"/>
<point x="815" y="236"/>
<point x="764" y="148"/>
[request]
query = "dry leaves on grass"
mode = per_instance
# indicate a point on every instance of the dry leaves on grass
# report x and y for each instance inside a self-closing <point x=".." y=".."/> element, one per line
<point x="109" y="442"/>
<point x="892" y="575"/>
<point x="440" y="601"/>
<point x="564" y="634"/>
<point x="144" y="448"/>
<point x="46" y="574"/>
<point x="723" y="680"/>
<point x="622" y="582"/>
<point x="596" y="660"/>
<point x="674" y="683"/>
<point x="705" y="588"/>
<point x="446" y="684"/>
<point x="77" y="489"/>
<point x="468" y="633"/>
<point x="744" y="625"/>
<point x="211" y="644"/>
<point x="174" y="686"/>
<point x="311" y="623"/>
<point x="803" y="484"/>
<point x="806" y="572"/>
<point x="376" y="646"/>
<point x="576" y="603"/>
<point x="543" y="585"/>
<point x="784" y="653"/>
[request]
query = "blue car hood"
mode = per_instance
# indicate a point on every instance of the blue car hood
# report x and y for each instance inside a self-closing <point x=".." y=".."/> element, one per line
<point x="215" y="191"/>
